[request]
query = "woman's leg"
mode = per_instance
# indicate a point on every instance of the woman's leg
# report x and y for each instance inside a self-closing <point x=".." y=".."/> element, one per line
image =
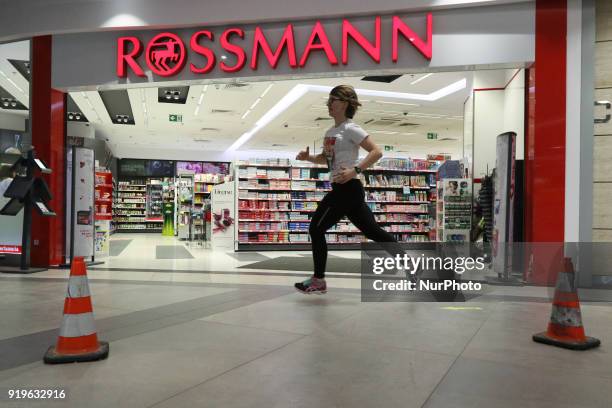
<point x="328" y="213"/>
<point x="361" y="216"/>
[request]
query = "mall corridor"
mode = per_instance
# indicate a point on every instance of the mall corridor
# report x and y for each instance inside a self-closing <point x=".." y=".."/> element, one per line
<point x="241" y="339"/>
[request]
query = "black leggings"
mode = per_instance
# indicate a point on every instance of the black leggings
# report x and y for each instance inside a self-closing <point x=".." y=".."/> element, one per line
<point x="344" y="199"/>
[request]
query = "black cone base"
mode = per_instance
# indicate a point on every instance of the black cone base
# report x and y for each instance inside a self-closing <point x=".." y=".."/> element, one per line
<point x="51" y="357"/>
<point x="589" y="343"/>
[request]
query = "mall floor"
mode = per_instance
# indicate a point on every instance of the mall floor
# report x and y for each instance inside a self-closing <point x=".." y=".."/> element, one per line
<point x="213" y="333"/>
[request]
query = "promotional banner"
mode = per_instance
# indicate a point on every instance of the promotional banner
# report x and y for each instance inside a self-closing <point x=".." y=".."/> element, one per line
<point x="83" y="212"/>
<point x="504" y="203"/>
<point x="223" y="215"/>
<point x="10" y="233"/>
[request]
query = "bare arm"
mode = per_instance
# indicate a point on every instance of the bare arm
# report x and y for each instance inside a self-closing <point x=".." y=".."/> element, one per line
<point x="374" y="153"/>
<point x="316" y="159"/>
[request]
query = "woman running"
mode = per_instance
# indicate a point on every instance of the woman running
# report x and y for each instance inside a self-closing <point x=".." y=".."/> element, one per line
<point x="347" y="198"/>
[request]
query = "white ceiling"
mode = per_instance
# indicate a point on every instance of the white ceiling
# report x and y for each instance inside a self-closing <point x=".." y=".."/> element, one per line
<point x="10" y="79"/>
<point x="220" y="120"/>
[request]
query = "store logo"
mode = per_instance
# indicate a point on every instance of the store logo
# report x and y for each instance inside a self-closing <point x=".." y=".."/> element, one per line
<point x="166" y="53"/>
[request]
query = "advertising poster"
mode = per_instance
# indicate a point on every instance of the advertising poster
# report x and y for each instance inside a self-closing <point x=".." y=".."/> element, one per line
<point x="503" y="204"/>
<point x="223" y="216"/>
<point x="84" y="227"/>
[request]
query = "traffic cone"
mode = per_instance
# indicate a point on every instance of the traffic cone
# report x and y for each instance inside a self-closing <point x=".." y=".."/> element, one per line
<point x="565" y="328"/>
<point x="77" y="339"/>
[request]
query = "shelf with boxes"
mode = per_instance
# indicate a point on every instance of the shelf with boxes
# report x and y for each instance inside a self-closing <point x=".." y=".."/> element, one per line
<point x="276" y="200"/>
<point x="103" y="201"/>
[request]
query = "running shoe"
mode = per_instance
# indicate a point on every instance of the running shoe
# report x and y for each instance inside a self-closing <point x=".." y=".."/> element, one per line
<point x="312" y="285"/>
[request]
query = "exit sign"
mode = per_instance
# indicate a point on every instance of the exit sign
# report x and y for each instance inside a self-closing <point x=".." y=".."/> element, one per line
<point x="388" y="148"/>
<point x="432" y="136"/>
<point x="175" y="118"/>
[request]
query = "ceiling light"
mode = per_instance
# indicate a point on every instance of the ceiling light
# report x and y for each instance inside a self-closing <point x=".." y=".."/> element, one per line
<point x="168" y="96"/>
<point x="77" y="117"/>
<point x="301" y="89"/>
<point x="14" y="104"/>
<point x="70" y="117"/>
<point x="177" y="97"/>
<point x="125" y="120"/>
<point x="5" y="103"/>
<point x="246" y="114"/>
<point x="11" y="81"/>
<point x="255" y="103"/>
<point x="416" y="81"/>
<point x="266" y="91"/>
<point x="398" y="103"/>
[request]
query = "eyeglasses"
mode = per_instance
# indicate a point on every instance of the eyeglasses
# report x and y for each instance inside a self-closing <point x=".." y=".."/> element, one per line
<point x="332" y="99"/>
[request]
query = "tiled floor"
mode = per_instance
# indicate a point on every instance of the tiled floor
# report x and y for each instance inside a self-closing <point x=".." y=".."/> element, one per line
<point x="216" y="335"/>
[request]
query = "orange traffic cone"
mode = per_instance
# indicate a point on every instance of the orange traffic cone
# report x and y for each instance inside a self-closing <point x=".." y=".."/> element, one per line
<point x="77" y="339"/>
<point x="565" y="328"/>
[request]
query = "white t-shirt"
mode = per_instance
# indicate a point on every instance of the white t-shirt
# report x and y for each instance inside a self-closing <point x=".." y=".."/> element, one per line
<point x="341" y="145"/>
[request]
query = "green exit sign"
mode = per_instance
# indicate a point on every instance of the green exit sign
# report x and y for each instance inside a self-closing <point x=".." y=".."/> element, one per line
<point x="175" y="118"/>
<point x="388" y="148"/>
<point x="432" y="136"/>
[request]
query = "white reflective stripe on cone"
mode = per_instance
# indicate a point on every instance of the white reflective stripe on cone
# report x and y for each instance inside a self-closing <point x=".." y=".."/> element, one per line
<point x="76" y="325"/>
<point x="78" y="287"/>
<point x="566" y="316"/>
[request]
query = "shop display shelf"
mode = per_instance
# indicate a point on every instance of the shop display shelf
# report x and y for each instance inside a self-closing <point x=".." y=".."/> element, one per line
<point x="262" y="210"/>
<point x="265" y="165"/>
<point x="131" y="191"/>
<point x="398" y="186"/>
<point x="104" y="200"/>
<point x="265" y="189"/>
<point x="401" y="170"/>
<point x="307" y="179"/>
<point x="264" y="178"/>
<point x="400" y="212"/>
<point x="312" y="189"/>
<point x="256" y="231"/>
<point x="265" y="199"/>
<point x="104" y="186"/>
<point x="399" y="202"/>
<point x="254" y="220"/>
<point x="307" y="199"/>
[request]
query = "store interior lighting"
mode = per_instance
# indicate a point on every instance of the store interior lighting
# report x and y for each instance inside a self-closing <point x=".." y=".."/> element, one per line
<point x="300" y="90"/>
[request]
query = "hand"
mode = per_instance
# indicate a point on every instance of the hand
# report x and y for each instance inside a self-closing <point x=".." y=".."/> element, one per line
<point x="304" y="154"/>
<point x="344" y="175"/>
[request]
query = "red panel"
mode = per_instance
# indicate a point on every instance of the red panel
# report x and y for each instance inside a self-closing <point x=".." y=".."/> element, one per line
<point x="48" y="130"/>
<point x="545" y="141"/>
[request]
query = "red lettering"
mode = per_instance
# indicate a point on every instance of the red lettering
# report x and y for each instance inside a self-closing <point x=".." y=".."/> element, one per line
<point x="204" y="51"/>
<point x="128" y="58"/>
<point x="349" y="30"/>
<point x="273" y="58"/>
<point x="319" y="32"/>
<point x="400" y="27"/>
<point x="234" y="49"/>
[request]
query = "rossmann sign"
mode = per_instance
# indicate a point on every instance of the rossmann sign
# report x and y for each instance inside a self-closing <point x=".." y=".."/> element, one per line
<point x="235" y="49"/>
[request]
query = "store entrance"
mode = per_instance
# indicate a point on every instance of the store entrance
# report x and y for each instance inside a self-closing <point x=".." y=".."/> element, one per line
<point x="204" y="177"/>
